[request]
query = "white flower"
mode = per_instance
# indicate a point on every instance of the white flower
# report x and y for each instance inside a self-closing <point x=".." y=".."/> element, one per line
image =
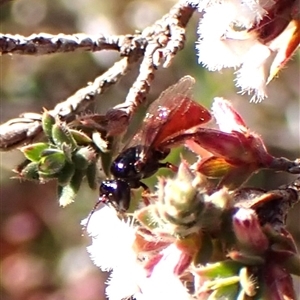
<point x="163" y="283"/>
<point x="112" y="249"/>
<point x="123" y="281"/>
<point x="256" y="36"/>
<point x="253" y="74"/>
<point x="112" y="239"/>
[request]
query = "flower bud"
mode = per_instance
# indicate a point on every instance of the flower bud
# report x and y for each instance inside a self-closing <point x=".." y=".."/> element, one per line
<point x="248" y="231"/>
<point x="227" y="117"/>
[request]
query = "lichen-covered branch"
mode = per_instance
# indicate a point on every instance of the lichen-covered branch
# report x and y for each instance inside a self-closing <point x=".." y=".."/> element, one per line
<point x="271" y="206"/>
<point x="167" y="38"/>
<point x="44" y="43"/>
<point x="85" y="96"/>
<point x="27" y="127"/>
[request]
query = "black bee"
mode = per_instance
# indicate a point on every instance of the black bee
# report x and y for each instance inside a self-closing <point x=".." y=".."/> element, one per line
<point x="167" y="118"/>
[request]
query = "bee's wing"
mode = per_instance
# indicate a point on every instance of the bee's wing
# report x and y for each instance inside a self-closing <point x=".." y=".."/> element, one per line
<point x="159" y="121"/>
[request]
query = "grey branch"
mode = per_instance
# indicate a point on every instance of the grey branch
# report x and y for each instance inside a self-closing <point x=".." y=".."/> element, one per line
<point x="28" y="127"/>
<point x="18" y="131"/>
<point x="85" y="96"/>
<point x="167" y="38"/>
<point x="271" y="206"/>
<point x="44" y="43"/>
<point x="278" y="203"/>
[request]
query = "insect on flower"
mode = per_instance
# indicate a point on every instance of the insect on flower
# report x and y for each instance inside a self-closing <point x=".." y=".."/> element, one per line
<point x="167" y="118"/>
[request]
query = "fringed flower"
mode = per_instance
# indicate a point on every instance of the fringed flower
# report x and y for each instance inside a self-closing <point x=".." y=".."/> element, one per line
<point x="255" y="37"/>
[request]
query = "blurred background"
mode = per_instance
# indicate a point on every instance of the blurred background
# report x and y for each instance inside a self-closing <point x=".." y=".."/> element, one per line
<point x="43" y="249"/>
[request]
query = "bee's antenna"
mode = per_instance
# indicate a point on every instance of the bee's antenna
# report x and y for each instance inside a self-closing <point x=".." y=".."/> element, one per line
<point x="102" y="199"/>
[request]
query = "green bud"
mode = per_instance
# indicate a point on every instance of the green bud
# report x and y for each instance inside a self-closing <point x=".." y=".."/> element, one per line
<point x="52" y="164"/>
<point x="101" y="144"/>
<point x="80" y="137"/>
<point x="91" y="175"/>
<point x="220" y="283"/>
<point x="47" y="176"/>
<point x="33" y="152"/>
<point x="47" y="122"/>
<point x="83" y="157"/>
<point x="29" y="172"/>
<point x="215" y="208"/>
<point x="222" y="269"/>
<point x="49" y="151"/>
<point x="68" y="193"/>
<point x="61" y="135"/>
<point x="68" y="151"/>
<point x="66" y="174"/>
<point x="106" y="160"/>
<point x="147" y="216"/>
<point x="225" y="292"/>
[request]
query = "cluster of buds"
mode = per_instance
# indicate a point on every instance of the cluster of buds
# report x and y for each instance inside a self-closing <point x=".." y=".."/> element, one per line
<point x="198" y="240"/>
<point x="192" y="243"/>
<point x="235" y="152"/>
<point x="67" y="156"/>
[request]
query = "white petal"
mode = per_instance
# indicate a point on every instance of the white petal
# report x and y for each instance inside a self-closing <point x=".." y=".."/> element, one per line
<point x="216" y="20"/>
<point x="218" y="54"/>
<point x="163" y="284"/>
<point x="234" y="13"/>
<point x="226" y="117"/>
<point x="220" y="45"/>
<point x="112" y="239"/>
<point x="252" y="76"/>
<point x="123" y="281"/>
<point x="280" y="45"/>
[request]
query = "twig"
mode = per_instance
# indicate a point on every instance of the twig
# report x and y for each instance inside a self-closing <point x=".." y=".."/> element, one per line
<point x="272" y="206"/>
<point x="27" y="127"/>
<point x="283" y="199"/>
<point x="44" y="43"/>
<point x="140" y="88"/>
<point x="168" y="37"/>
<point x="18" y="131"/>
<point x="85" y="96"/>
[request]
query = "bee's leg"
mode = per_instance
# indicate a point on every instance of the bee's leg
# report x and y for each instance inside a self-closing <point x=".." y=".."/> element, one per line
<point x="145" y="193"/>
<point x="169" y="166"/>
